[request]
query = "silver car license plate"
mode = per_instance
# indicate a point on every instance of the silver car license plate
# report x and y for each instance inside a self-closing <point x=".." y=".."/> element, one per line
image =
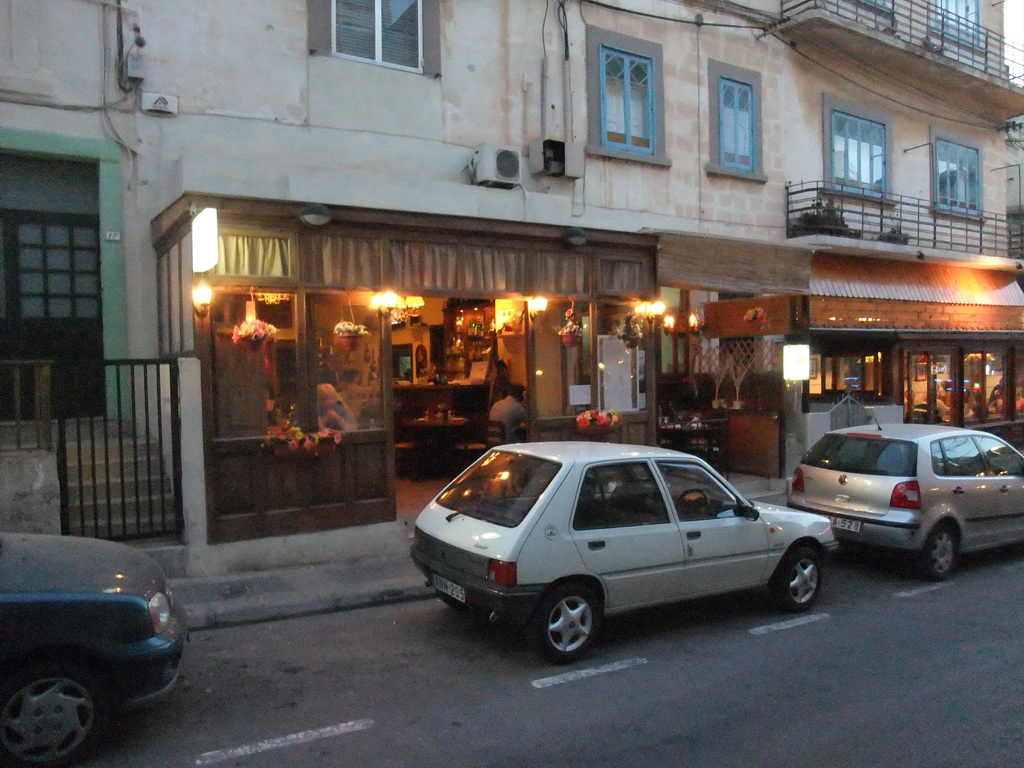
<point x="451" y="589"/>
<point x="842" y="524"/>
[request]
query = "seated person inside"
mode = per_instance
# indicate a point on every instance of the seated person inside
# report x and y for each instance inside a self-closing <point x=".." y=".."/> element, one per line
<point x="510" y="410"/>
<point x="331" y="411"/>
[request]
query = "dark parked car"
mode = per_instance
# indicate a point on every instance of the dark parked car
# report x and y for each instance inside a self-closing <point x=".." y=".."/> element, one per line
<point x="86" y="626"/>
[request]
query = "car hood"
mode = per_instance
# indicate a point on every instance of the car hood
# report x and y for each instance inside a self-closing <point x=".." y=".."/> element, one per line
<point x="795" y="522"/>
<point x="41" y="563"/>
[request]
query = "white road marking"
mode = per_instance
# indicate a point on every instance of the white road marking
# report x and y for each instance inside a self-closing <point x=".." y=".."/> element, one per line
<point x="781" y="625"/>
<point x="303" y="737"/>
<point x="579" y="674"/>
<point x="918" y="590"/>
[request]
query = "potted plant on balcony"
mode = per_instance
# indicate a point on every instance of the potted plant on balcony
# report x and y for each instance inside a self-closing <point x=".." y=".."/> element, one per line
<point x="822" y="219"/>
<point x="895" y="235"/>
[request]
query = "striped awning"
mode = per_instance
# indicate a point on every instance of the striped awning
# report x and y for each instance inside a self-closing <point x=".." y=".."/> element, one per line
<point x="860" y="278"/>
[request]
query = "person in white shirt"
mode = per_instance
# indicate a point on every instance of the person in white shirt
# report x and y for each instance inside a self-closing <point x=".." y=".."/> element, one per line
<point x="511" y="411"/>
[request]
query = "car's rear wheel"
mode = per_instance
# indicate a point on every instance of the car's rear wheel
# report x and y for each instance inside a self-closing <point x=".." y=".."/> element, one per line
<point x="797" y="580"/>
<point x="939" y="553"/>
<point x="50" y="714"/>
<point x="567" y="622"/>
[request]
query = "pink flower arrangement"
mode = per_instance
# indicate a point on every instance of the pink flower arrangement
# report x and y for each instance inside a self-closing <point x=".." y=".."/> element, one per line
<point x="594" y="418"/>
<point x="294" y="439"/>
<point x="756" y="315"/>
<point x="253" y="329"/>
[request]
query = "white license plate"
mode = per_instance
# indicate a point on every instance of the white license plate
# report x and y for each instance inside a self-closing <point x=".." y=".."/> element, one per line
<point x="842" y="524"/>
<point x="451" y="589"/>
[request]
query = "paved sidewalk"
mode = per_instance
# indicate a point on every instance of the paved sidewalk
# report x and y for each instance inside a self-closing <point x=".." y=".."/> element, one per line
<point x="280" y="593"/>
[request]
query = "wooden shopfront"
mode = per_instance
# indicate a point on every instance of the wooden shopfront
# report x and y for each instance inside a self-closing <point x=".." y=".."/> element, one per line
<point x="462" y="288"/>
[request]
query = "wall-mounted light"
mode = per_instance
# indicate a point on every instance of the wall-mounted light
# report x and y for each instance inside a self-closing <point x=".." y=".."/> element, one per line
<point x="651" y="310"/>
<point x="205" y="240"/>
<point x="202" y="295"/>
<point x="574" y="236"/>
<point x="796" y="362"/>
<point x="385" y="302"/>
<point x="694" y="324"/>
<point x="536" y="304"/>
<point x="314" y="214"/>
<point x="668" y="322"/>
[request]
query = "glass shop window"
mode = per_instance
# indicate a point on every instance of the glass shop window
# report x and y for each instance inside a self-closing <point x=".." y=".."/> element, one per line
<point x="254" y="361"/>
<point x="345" y="377"/>
<point x="563" y="358"/>
<point x="928" y="388"/>
<point x="620" y="359"/>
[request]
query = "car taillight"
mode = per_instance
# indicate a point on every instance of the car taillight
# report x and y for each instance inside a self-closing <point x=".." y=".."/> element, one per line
<point x="502" y="573"/>
<point x="798" y="480"/>
<point x="906" y="495"/>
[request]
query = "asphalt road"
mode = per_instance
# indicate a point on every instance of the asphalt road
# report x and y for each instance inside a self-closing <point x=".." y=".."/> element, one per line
<point x="885" y="671"/>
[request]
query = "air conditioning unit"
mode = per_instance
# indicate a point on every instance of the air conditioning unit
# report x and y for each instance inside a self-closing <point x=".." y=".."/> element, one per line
<point x="496" y="166"/>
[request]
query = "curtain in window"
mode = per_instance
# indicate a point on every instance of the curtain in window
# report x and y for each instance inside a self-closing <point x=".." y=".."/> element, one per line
<point x="487" y="269"/>
<point x="395" y="22"/>
<point x="956" y="180"/>
<point x="624" y="277"/>
<point x="858" y="152"/>
<point x="400" y="27"/>
<point x="256" y="255"/>
<point x="412" y="266"/>
<point x="557" y="274"/>
<point x="626" y="101"/>
<point x="737" y="124"/>
<point x="342" y="261"/>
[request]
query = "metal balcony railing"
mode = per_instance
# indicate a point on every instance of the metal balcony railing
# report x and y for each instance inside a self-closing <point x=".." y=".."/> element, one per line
<point x="822" y="208"/>
<point x="923" y="23"/>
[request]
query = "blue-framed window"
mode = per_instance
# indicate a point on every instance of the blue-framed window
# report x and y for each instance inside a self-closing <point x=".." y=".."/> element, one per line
<point x="383" y="31"/>
<point x="627" y="101"/>
<point x="736" y="125"/>
<point x="858" y="152"/>
<point x="957" y="176"/>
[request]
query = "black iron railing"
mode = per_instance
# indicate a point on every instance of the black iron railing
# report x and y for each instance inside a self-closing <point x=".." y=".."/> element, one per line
<point x="821" y="208"/>
<point x="120" y="466"/>
<point x="923" y="23"/>
<point x="25" y="405"/>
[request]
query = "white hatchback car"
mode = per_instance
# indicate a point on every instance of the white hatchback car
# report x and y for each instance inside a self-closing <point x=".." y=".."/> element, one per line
<point x="555" y="536"/>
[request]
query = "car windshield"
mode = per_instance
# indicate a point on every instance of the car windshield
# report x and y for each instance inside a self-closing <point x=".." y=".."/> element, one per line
<point x="864" y="454"/>
<point x="500" y="489"/>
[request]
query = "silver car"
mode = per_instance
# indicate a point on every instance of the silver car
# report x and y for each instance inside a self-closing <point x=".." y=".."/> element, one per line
<point x="932" y="490"/>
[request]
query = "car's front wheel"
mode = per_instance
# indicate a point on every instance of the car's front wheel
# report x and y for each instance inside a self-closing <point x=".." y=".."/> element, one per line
<point x="567" y="622"/>
<point x="938" y="555"/>
<point x="797" y="580"/>
<point x="50" y="714"/>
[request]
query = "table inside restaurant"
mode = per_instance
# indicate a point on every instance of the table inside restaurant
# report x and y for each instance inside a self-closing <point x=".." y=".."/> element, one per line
<point x="706" y="438"/>
<point x="435" y="439"/>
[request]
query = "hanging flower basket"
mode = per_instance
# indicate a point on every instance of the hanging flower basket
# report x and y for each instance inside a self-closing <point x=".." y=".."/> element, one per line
<point x="348" y="333"/>
<point x="571" y="331"/>
<point x="347" y="341"/>
<point x="571" y="339"/>
<point x="630" y="332"/>
<point x="252" y="332"/>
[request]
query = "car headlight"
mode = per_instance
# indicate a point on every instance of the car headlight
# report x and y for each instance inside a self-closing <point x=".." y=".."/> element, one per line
<point x="159" y="611"/>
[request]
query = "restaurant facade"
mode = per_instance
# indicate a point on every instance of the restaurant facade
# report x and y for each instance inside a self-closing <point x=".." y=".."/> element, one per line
<point x="464" y="297"/>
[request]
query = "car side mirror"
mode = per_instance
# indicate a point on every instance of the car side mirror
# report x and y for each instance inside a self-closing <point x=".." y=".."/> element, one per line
<point x="748" y="511"/>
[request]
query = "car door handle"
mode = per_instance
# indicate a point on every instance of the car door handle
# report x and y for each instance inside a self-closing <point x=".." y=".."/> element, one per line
<point x="958" y="491"/>
<point x="595" y="544"/>
<point x="693" y="534"/>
